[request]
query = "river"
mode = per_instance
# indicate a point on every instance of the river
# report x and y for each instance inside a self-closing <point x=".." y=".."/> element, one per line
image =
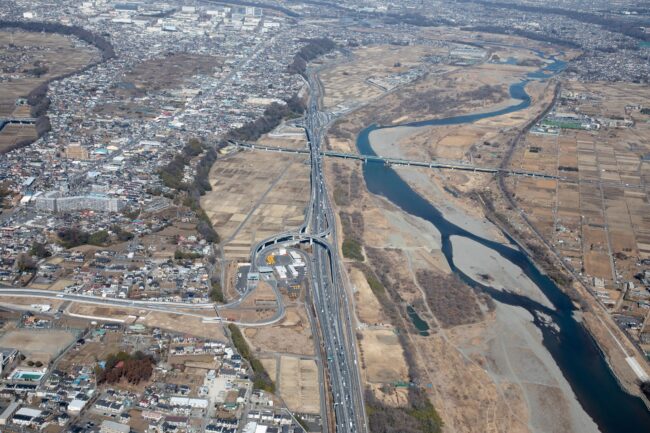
<point x="568" y="342"/>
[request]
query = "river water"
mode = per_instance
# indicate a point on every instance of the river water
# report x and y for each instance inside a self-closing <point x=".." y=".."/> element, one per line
<point x="571" y="346"/>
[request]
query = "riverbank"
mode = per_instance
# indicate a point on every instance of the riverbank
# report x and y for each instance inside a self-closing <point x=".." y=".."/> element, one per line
<point x="513" y="345"/>
<point x="576" y="357"/>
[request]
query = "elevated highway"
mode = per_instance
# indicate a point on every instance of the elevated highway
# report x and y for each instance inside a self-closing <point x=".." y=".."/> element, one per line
<point x="439" y="165"/>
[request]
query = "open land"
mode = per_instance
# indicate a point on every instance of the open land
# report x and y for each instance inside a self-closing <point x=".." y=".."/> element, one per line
<point x="38" y="344"/>
<point x="299" y="384"/>
<point x="451" y="354"/>
<point x="32" y="59"/>
<point x="255" y="195"/>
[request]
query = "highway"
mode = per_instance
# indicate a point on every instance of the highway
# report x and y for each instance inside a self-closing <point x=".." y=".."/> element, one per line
<point x="330" y="301"/>
<point x="443" y="165"/>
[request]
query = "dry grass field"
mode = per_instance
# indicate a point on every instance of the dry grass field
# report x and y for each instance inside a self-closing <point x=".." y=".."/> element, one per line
<point x="382" y="356"/>
<point x="15" y="133"/>
<point x="291" y="335"/>
<point x="299" y="384"/>
<point x="38" y="344"/>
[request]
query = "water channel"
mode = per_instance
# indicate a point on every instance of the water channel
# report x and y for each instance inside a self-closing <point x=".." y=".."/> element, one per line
<point x="572" y="347"/>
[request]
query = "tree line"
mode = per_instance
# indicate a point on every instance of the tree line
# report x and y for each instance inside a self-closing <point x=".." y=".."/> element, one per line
<point x="37" y="98"/>
<point x="315" y="47"/>
<point x="612" y="24"/>
<point x="261" y="379"/>
<point x="523" y="33"/>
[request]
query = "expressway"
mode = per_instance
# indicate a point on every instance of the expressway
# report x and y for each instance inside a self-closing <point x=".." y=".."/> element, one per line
<point x="330" y="300"/>
<point x="437" y="164"/>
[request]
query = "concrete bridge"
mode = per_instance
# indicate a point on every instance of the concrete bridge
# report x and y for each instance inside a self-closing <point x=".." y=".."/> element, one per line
<point x="444" y="165"/>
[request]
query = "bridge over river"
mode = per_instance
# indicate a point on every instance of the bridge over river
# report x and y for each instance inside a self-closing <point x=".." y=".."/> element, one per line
<point x="435" y="164"/>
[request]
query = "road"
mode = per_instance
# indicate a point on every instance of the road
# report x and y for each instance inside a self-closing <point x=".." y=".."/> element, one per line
<point x="330" y="300"/>
<point x="334" y="331"/>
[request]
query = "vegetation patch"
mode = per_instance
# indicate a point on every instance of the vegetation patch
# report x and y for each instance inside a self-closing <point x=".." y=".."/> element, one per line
<point x="261" y="379"/>
<point x="419" y="416"/>
<point x="452" y="301"/>
<point x="314" y="48"/>
<point x="352" y="250"/>
<point x="132" y="367"/>
<point x="216" y="292"/>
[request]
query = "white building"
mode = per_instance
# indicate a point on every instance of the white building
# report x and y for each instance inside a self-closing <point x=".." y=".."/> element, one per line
<point x="54" y="202"/>
<point x="114" y="427"/>
<point x="76" y="406"/>
<point x="197" y="403"/>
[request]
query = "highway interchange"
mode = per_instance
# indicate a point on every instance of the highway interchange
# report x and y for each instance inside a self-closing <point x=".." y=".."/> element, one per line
<point x="342" y="405"/>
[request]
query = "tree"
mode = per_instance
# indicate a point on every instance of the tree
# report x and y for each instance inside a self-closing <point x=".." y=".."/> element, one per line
<point x="216" y="293"/>
<point x="98" y="238"/>
<point x="25" y="263"/>
<point x="72" y="237"/>
<point x="39" y="250"/>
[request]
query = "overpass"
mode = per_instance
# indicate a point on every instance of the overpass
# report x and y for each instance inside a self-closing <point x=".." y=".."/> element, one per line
<point x="4" y="121"/>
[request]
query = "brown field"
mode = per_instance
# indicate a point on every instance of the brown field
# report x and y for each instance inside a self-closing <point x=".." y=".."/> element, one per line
<point x="13" y="133"/>
<point x="255" y="195"/>
<point x="382" y="356"/>
<point x="299" y="384"/>
<point x="121" y="314"/>
<point x="38" y="344"/>
<point x="292" y="335"/>
<point x="368" y="308"/>
<point x="183" y="324"/>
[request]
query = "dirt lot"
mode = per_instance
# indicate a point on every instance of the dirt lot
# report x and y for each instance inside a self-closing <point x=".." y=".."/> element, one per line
<point x="28" y="301"/>
<point x="38" y="344"/>
<point x="98" y="312"/>
<point x="183" y="324"/>
<point x="291" y="335"/>
<point x="299" y="384"/>
<point x="285" y="136"/>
